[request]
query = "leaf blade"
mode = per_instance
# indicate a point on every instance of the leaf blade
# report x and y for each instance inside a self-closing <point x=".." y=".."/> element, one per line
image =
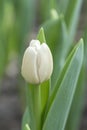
<point x="64" y="96"/>
<point x="25" y="119"/>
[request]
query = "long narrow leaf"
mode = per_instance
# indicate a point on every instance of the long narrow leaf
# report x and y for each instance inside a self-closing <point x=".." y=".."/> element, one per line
<point x="75" y="114"/>
<point x="72" y="17"/>
<point x="26" y="119"/>
<point x="57" y="39"/>
<point x="62" y="5"/>
<point x="59" y="110"/>
<point x="78" y="103"/>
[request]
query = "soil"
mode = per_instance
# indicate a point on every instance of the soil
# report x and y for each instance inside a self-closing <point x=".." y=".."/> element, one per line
<point x="10" y="106"/>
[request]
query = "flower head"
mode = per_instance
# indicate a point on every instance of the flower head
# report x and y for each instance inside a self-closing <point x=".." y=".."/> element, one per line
<point x="37" y="64"/>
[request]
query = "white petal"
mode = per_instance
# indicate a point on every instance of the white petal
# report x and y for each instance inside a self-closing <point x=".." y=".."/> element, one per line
<point x="45" y="62"/>
<point x="35" y="43"/>
<point x="29" y="67"/>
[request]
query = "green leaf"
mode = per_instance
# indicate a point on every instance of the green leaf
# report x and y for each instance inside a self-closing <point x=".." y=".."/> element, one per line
<point x="3" y="57"/>
<point x="78" y="101"/>
<point x="72" y="16"/>
<point x="62" y="5"/>
<point x="45" y="92"/>
<point x="26" y="16"/>
<point x="54" y="14"/>
<point x="61" y="99"/>
<point x="77" y="106"/>
<point x="25" y="119"/>
<point x="51" y="28"/>
<point x="27" y="127"/>
<point x="23" y="16"/>
<point x="41" y="36"/>
<point x="44" y="9"/>
<point x="85" y="47"/>
<point x="57" y="38"/>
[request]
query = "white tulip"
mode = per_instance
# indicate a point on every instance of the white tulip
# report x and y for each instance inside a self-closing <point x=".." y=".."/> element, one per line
<point x="37" y="64"/>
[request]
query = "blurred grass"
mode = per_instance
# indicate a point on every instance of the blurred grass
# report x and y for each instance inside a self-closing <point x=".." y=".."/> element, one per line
<point x="16" y="22"/>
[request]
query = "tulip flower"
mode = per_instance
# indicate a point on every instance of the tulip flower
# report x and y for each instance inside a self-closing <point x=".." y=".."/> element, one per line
<point x="37" y="64"/>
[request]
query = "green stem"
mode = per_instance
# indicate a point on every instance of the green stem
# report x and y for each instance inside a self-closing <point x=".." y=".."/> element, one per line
<point x="29" y="96"/>
<point x="37" y="106"/>
<point x="34" y="105"/>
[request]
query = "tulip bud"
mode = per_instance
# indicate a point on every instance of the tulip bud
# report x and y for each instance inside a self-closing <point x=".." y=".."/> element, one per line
<point x="37" y="64"/>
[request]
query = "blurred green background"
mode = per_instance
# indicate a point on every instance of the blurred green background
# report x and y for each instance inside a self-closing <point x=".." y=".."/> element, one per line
<point x="64" y="21"/>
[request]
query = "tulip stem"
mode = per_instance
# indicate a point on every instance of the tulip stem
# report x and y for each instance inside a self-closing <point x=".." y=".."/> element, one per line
<point x="29" y="97"/>
<point x="37" y="106"/>
<point x="34" y="104"/>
